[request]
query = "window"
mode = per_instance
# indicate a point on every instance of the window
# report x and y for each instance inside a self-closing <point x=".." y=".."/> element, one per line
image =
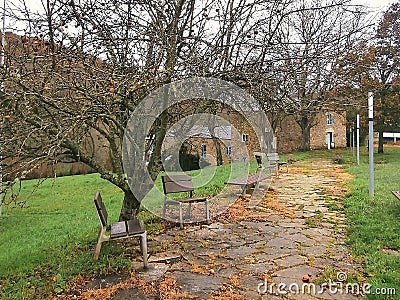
<point x="203" y="150"/>
<point x="245" y="137"/>
<point x="329" y="119"/>
<point x="228" y="150"/>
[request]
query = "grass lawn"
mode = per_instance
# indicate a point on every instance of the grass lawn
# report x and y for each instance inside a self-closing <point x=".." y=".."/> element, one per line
<point x="51" y="238"/>
<point x="374" y="223"/>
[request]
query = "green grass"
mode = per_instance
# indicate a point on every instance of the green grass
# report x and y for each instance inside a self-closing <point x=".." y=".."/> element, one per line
<point x="374" y="223"/>
<point x="53" y="234"/>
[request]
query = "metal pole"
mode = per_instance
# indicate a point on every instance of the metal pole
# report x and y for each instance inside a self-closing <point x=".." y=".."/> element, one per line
<point x="358" y="139"/>
<point x="354" y="141"/>
<point x="3" y="35"/>
<point x="371" y="142"/>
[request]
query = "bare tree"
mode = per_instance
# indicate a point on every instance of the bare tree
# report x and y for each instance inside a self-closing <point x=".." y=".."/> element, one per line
<point x="385" y="73"/>
<point x="80" y="77"/>
<point x="79" y="68"/>
<point x="316" y="36"/>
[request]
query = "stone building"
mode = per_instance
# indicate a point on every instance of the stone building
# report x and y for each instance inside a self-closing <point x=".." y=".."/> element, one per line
<point x="229" y="139"/>
<point x="328" y="131"/>
<point x="222" y="142"/>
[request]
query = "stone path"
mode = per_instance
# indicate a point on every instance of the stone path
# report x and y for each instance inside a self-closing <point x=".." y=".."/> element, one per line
<point x="296" y="234"/>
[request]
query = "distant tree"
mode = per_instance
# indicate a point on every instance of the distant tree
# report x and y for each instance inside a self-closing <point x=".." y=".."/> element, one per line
<point x="385" y="73"/>
<point x="315" y="38"/>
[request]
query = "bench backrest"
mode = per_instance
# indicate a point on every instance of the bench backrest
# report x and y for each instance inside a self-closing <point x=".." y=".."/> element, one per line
<point x="101" y="209"/>
<point x="177" y="184"/>
<point x="273" y="157"/>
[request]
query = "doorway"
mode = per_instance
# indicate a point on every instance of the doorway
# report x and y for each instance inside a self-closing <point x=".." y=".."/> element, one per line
<point x="329" y="138"/>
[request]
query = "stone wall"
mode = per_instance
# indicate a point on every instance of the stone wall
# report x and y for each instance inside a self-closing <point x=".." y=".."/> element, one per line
<point x="243" y="127"/>
<point x="288" y="134"/>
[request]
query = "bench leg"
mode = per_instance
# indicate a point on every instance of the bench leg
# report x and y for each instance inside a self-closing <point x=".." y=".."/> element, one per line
<point x="143" y="246"/>
<point x="180" y="215"/>
<point x="207" y="212"/>
<point x="189" y="211"/>
<point x="164" y="209"/>
<point x="244" y="187"/>
<point x="100" y="240"/>
<point x="97" y="251"/>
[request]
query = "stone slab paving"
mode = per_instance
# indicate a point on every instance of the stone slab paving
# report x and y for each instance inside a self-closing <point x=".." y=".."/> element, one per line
<point x="300" y="235"/>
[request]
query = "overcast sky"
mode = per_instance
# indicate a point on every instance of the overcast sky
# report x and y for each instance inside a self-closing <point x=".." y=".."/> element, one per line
<point x="376" y="6"/>
<point x="375" y="3"/>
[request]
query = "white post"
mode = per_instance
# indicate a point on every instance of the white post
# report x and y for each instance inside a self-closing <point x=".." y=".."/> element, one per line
<point x="351" y="138"/>
<point x="354" y="141"/>
<point x="358" y="139"/>
<point x="371" y="142"/>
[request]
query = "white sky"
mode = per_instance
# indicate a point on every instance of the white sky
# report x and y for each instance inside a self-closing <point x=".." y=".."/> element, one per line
<point x="376" y="6"/>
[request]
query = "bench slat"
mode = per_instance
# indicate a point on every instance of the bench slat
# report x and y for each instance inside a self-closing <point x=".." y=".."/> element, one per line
<point x="134" y="227"/>
<point x="396" y="194"/>
<point x="175" y="178"/>
<point x="192" y="200"/>
<point x="177" y="187"/>
<point x="118" y="230"/>
<point x="273" y="157"/>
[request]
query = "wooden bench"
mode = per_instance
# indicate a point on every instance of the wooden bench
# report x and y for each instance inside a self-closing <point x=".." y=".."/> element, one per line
<point x="247" y="182"/>
<point x="269" y="161"/>
<point x="261" y="161"/>
<point x="119" y="230"/>
<point x="181" y="183"/>
<point x="396" y="194"/>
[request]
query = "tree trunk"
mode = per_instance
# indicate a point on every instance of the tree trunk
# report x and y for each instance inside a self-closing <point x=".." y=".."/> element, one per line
<point x="130" y="206"/>
<point x="380" y="142"/>
<point x="218" y="150"/>
<point x="305" y="134"/>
